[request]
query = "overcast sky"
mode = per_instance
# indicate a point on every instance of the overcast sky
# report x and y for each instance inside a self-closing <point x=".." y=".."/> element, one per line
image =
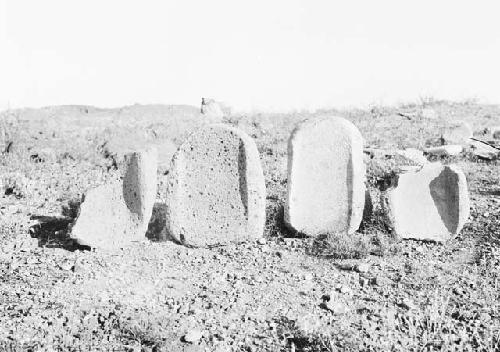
<point x="264" y="54"/>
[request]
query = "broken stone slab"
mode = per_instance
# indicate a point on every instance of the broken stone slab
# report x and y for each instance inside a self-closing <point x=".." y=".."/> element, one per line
<point x="326" y="174"/>
<point x="111" y="216"/>
<point x="459" y="133"/>
<point x="430" y="204"/>
<point x="215" y="189"/>
<point x="445" y="150"/>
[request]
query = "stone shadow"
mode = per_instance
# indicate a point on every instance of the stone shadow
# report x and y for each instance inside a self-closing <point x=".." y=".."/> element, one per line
<point x="444" y="191"/>
<point x="54" y="231"/>
<point x="157" y="231"/>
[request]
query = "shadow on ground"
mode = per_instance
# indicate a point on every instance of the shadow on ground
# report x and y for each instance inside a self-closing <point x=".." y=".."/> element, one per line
<point x="54" y="231"/>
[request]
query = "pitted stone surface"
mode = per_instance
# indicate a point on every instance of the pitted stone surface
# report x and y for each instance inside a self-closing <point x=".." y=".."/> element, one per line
<point x="326" y="175"/>
<point x="431" y="204"/>
<point x="215" y="189"/>
<point x="111" y="216"/>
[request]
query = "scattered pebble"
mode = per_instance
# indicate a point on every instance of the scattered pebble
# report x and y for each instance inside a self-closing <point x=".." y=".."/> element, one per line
<point x="407" y="303"/>
<point x="363" y="267"/>
<point x="336" y="307"/>
<point x="193" y="335"/>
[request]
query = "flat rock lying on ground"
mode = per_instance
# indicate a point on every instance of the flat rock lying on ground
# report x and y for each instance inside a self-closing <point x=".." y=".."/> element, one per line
<point x="401" y="157"/>
<point x="445" y="150"/>
<point x="483" y="150"/>
<point x="459" y="133"/>
<point x="410" y="157"/>
<point x="430" y="204"/>
<point x="215" y="189"/>
<point x="326" y="172"/>
<point x="113" y="215"/>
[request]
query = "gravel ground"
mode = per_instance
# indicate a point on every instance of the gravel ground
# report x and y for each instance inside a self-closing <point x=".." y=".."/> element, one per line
<point x="285" y="293"/>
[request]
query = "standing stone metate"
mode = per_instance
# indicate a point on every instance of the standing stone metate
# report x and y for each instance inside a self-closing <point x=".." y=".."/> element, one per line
<point x="215" y="190"/>
<point x="326" y="174"/>
<point x="430" y="204"/>
<point x="111" y="216"/>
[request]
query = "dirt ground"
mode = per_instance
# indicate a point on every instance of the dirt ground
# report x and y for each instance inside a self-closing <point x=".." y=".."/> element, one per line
<point x="366" y="292"/>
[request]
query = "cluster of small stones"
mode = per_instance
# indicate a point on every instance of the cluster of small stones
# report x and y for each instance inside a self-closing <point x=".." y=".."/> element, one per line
<point x="216" y="191"/>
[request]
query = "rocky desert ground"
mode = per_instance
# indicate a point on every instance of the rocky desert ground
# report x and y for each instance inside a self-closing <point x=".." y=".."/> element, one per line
<point x="365" y="292"/>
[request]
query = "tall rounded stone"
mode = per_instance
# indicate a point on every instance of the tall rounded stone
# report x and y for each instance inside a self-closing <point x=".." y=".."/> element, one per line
<point x="430" y="204"/>
<point x="215" y="189"/>
<point x="326" y="174"/>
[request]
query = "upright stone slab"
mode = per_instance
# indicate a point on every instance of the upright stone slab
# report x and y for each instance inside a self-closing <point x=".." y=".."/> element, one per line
<point x="111" y="216"/>
<point x="215" y="189"/>
<point x="326" y="175"/>
<point x="431" y="204"/>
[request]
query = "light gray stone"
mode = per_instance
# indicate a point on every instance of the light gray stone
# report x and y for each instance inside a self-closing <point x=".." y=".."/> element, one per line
<point x="429" y="113"/>
<point x="113" y="215"/>
<point x="215" y="189"/>
<point x="495" y="131"/>
<point x="445" y="150"/>
<point x="431" y="204"/>
<point x="410" y="157"/>
<point x="211" y="110"/>
<point x="326" y="174"/>
<point x="459" y="133"/>
<point x="484" y="151"/>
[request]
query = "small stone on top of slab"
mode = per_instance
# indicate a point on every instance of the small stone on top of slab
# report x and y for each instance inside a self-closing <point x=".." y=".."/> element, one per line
<point x="326" y="175"/>
<point x="215" y="189"/>
<point x="430" y="204"/>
